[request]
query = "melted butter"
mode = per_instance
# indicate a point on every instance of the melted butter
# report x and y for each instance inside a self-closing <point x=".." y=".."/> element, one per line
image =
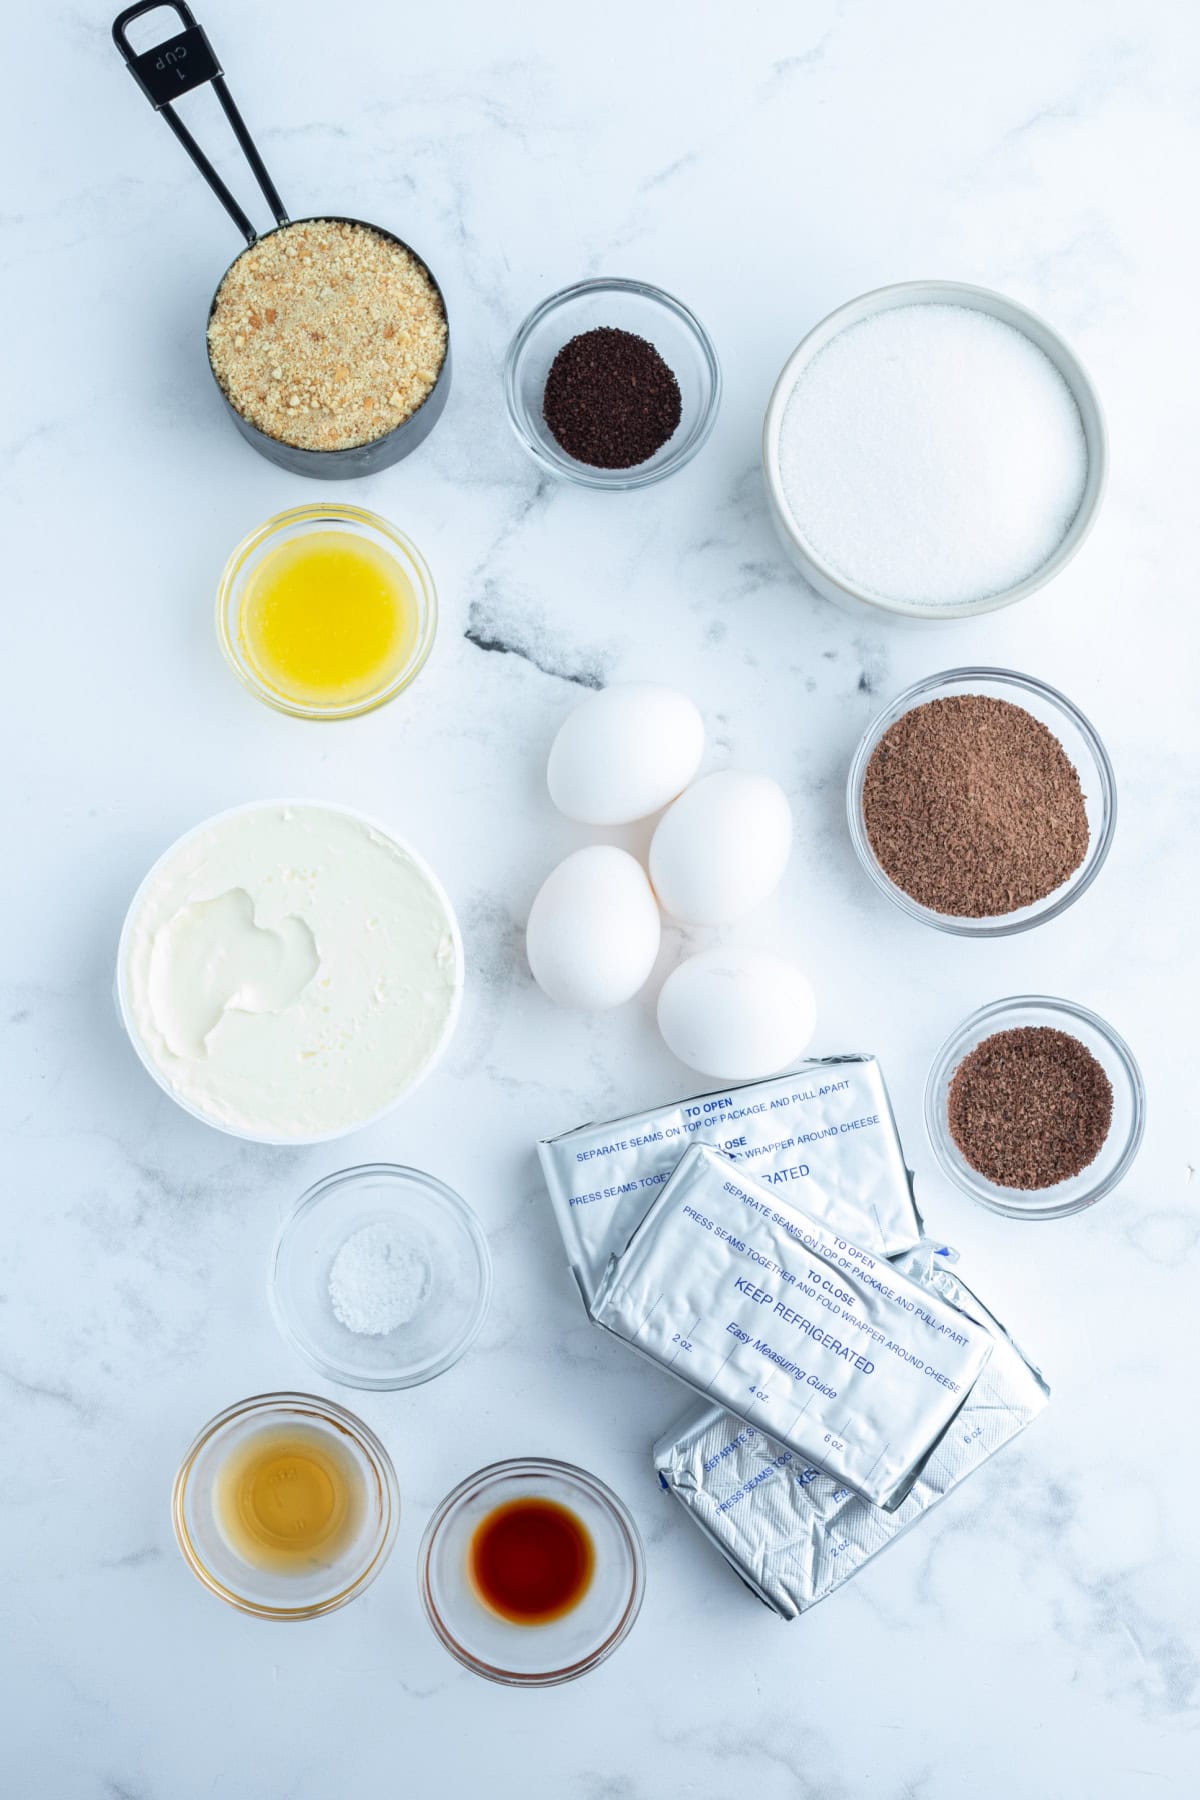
<point x="328" y="618"/>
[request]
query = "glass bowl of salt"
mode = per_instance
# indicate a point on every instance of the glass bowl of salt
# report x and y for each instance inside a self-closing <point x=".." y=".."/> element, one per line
<point x="933" y="451"/>
<point x="381" y="1276"/>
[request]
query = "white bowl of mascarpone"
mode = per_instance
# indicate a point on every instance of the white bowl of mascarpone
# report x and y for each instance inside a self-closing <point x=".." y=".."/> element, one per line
<point x="289" y="971"/>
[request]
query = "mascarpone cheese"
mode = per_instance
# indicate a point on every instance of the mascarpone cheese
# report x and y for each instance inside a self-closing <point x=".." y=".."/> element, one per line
<point x="289" y="971"/>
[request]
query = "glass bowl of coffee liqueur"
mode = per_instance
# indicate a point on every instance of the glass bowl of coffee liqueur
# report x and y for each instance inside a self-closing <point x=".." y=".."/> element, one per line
<point x="286" y="1506"/>
<point x="612" y="384"/>
<point x="531" y="1572"/>
<point x="326" y="612"/>
<point x="981" y="802"/>
<point x="1035" y="1107"/>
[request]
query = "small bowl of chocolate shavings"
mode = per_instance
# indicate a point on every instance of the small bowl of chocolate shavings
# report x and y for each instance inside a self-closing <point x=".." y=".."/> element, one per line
<point x="1035" y="1107"/>
<point x="981" y="802"/>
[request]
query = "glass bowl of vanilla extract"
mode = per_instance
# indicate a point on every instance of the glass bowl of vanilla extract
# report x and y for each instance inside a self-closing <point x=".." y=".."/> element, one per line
<point x="531" y="1572"/>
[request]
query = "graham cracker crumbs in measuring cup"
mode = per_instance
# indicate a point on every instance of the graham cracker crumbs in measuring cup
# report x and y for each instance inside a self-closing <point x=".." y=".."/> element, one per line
<point x="326" y="335"/>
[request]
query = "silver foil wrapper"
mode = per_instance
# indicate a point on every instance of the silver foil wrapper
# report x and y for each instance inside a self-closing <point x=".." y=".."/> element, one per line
<point x="825" y="1136"/>
<point x="789" y="1325"/>
<point x="793" y="1534"/>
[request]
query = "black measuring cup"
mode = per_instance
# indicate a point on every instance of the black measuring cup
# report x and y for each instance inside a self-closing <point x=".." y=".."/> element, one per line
<point x="178" y="65"/>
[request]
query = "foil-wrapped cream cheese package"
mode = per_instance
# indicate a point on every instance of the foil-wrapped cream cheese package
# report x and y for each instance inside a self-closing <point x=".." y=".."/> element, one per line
<point x="792" y="1326"/>
<point x="793" y="1533"/>
<point x="824" y="1135"/>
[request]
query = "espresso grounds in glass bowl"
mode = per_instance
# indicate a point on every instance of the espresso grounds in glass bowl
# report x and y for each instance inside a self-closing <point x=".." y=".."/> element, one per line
<point x="326" y="335"/>
<point x="633" y="367"/>
<point x="610" y="400"/>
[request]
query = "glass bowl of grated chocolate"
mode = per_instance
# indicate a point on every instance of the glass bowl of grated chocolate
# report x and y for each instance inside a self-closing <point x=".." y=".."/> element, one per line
<point x="329" y="342"/>
<point x="612" y="384"/>
<point x="1035" y="1107"/>
<point x="981" y="802"/>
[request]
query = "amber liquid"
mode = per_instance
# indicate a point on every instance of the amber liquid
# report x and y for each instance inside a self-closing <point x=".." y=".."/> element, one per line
<point x="531" y="1561"/>
<point x="289" y="1499"/>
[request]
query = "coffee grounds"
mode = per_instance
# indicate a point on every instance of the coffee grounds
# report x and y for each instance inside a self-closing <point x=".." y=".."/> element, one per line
<point x="973" y="807"/>
<point x="1029" y="1108"/>
<point x="610" y="400"/>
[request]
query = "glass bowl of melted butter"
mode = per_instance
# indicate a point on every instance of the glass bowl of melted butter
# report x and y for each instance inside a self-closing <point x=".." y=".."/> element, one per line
<point x="286" y="1506"/>
<point x="326" y="612"/>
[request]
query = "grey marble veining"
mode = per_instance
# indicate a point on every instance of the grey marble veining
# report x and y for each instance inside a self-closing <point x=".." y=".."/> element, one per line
<point x="1038" y="1635"/>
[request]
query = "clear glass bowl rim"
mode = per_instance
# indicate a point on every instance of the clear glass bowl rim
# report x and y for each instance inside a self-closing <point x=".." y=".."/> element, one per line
<point x="533" y="1466"/>
<point x="984" y="1023"/>
<point x="356" y="518"/>
<point x="997" y="925"/>
<point x="409" y="1176"/>
<point x="618" y="479"/>
<point x="376" y="1454"/>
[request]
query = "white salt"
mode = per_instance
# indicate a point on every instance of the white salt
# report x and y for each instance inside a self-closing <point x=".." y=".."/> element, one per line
<point x="377" y="1280"/>
<point x="932" y="454"/>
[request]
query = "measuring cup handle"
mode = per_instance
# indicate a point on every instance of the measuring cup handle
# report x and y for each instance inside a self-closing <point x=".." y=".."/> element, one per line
<point x="183" y="62"/>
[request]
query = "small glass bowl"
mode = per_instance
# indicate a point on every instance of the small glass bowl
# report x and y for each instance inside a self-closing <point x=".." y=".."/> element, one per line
<point x="531" y="1655"/>
<point x="265" y="1593"/>
<point x="1128" y="1116"/>
<point x="663" y="321"/>
<point x="434" y="1223"/>
<point x="1077" y="737"/>
<point x="300" y="521"/>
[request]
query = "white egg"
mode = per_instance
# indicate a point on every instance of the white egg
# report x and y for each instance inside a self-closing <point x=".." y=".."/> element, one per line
<point x="722" y="848"/>
<point x="593" y="930"/>
<point x="624" y="753"/>
<point x="737" y="1014"/>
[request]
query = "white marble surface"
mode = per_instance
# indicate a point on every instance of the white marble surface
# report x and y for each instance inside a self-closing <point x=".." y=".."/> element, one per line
<point x="1036" y="1637"/>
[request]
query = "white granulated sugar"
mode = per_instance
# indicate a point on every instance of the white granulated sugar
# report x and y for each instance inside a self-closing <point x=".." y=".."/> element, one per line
<point x="377" y="1280"/>
<point x="932" y="454"/>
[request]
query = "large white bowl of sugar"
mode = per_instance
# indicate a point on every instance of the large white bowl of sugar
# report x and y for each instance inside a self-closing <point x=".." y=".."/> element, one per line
<point x="933" y="451"/>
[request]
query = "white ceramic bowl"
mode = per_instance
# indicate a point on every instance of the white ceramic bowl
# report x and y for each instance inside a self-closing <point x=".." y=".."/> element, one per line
<point x="837" y="587"/>
<point x="148" y="1062"/>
